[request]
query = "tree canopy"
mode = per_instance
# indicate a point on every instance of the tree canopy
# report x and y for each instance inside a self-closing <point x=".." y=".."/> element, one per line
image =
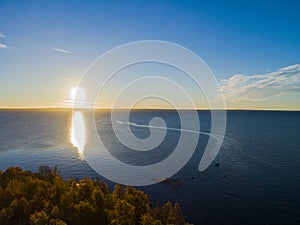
<point x="45" y="198"/>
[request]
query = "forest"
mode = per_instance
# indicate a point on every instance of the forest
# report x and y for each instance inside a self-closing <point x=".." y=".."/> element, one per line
<point x="45" y="198"/>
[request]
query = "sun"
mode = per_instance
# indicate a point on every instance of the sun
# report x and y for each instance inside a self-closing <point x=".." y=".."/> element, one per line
<point x="73" y="93"/>
<point x="77" y="92"/>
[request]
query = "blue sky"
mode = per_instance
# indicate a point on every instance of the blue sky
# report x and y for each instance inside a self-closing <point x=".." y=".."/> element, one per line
<point x="46" y="45"/>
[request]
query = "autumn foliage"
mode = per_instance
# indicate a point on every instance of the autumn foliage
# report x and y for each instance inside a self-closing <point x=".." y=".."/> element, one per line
<point x="44" y="198"/>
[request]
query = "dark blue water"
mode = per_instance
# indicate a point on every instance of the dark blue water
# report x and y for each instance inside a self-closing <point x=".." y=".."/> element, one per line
<point x="257" y="180"/>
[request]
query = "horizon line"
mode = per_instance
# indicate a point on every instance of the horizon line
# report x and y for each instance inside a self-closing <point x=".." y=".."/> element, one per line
<point x="124" y="108"/>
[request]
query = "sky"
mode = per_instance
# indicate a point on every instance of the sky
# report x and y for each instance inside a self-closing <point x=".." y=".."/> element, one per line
<point x="253" y="47"/>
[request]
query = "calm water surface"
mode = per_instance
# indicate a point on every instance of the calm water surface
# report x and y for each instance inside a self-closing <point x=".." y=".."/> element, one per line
<point x="257" y="180"/>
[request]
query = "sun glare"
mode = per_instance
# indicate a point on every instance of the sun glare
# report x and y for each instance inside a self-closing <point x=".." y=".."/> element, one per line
<point x="77" y="135"/>
<point x="73" y="93"/>
<point x="77" y="93"/>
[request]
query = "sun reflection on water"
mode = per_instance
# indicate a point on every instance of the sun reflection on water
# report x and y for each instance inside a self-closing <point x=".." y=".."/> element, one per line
<point x="78" y="133"/>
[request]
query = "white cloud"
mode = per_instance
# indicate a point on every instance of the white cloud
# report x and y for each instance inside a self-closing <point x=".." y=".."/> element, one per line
<point x="255" y="88"/>
<point x="2" y="35"/>
<point x="61" y="50"/>
<point x="3" y="46"/>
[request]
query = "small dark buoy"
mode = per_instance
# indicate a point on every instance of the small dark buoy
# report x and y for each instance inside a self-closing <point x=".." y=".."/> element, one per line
<point x="224" y="176"/>
<point x="217" y="164"/>
<point x="175" y="180"/>
<point x="192" y="178"/>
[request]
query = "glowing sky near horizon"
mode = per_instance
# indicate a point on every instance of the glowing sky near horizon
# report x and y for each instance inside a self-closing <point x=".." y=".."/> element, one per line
<point x="253" y="47"/>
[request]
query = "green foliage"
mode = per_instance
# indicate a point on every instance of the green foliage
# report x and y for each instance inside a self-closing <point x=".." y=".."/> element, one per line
<point x="44" y="198"/>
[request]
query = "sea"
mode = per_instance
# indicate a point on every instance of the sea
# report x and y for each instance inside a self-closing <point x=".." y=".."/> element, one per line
<point x="255" y="178"/>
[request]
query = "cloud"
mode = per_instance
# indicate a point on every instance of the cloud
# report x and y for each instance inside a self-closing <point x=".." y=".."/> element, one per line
<point x="260" y="87"/>
<point x="2" y="35"/>
<point x="61" y="50"/>
<point x="3" y="46"/>
<point x="68" y="79"/>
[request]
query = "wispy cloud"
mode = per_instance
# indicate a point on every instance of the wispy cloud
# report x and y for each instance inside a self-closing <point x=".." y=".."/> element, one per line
<point x="2" y="35"/>
<point x="3" y="46"/>
<point x="61" y="50"/>
<point x="242" y="88"/>
<point x="68" y="79"/>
